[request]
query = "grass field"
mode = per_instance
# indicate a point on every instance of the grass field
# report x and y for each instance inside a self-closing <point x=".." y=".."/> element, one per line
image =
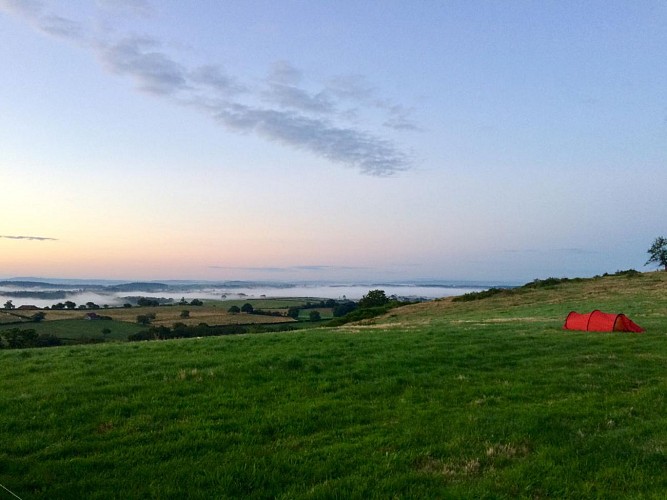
<point x="167" y="316"/>
<point x="75" y="329"/>
<point x="483" y="399"/>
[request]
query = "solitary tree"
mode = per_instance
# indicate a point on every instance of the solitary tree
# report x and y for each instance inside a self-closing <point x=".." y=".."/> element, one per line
<point x="314" y="316"/>
<point x="234" y="309"/>
<point x="247" y="308"/>
<point x="145" y="319"/>
<point x="185" y="314"/>
<point x="374" y="298"/>
<point x="293" y="312"/>
<point x="658" y="252"/>
<point x="9" y="305"/>
<point x="38" y="316"/>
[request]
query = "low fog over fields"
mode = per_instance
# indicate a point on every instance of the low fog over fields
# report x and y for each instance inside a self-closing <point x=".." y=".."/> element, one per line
<point x="47" y="293"/>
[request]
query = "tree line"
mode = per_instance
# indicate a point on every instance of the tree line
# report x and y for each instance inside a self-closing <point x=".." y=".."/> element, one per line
<point x="16" y="338"/>
<point x="183" y="331"/>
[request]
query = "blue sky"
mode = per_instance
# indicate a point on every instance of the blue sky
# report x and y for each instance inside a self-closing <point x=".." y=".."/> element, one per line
<point x="331" y="140"/>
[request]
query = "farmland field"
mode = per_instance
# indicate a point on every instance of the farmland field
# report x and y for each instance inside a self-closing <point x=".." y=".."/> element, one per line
<point x="481" y="399"/>
<point x="71" y="324"/>
<point x="168" y="315"/>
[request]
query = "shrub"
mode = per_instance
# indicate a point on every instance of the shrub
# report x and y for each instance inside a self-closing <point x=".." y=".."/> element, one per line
<point x="38" y="316"/>
<point x="630" y="273"/>
<point x="484" y="294"/>
<point x="362" y="313"/>
<point x="22" y="339"/>
<point x="144" y="319"/>
<point x="344" y="308"/>
<point x="47" y="340"/>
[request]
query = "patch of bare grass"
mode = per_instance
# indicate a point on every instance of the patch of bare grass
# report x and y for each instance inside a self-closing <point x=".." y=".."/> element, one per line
<point x="452" y="470"/>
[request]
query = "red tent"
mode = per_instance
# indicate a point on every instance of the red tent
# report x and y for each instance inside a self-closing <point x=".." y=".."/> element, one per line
<point x="597" y="321"/>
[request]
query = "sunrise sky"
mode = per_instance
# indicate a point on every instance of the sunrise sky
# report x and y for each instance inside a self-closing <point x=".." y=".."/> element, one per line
<point x="337" y="140"/>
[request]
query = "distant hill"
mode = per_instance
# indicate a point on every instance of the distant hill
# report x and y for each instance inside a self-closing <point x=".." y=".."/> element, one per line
<point x="138" y="287"/>
<point x="43" y="284"/>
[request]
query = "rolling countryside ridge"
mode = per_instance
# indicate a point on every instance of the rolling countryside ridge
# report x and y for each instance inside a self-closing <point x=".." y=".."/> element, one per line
<point x="485" y="398"/>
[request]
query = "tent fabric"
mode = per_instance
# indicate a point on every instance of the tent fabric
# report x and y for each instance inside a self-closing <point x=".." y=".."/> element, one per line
<point x="597" y="321"/>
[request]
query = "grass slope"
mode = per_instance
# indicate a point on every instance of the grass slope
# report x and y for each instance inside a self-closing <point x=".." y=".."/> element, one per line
<point x="485" y="399"/>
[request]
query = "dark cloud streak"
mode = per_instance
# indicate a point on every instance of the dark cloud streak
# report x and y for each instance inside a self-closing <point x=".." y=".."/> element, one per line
<point x="287" y="96"/>
<point x="51" y="24"/>
<point x="62" y="27"/>
<point x="370" y="154"/>
<point x="214" y="77"/>
<point x="153" y="71"/>
<point x="31" y="238"/>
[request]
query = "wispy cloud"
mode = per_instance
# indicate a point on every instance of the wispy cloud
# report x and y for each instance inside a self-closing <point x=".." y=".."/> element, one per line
<point x="399" y="119"/>
<point x="62" y="27"/>
<point x="34" y="238"/>
<point x="324" y="120"/>
<point x="139" y="58"/>
<point x="215" y="78"/>
<point x="283" y="89"/>
<point x="33" y="12"/>
<point x="370" y="154"/>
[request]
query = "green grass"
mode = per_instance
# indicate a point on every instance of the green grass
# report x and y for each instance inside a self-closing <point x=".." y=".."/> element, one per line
<point x="487" y="399"/>
<point x="325" y="313"/>
<point x="79" y="328"/>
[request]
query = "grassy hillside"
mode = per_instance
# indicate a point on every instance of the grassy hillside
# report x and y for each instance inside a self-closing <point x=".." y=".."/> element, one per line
<point x="642" y="297"/>
<point x="481" y="399"/>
